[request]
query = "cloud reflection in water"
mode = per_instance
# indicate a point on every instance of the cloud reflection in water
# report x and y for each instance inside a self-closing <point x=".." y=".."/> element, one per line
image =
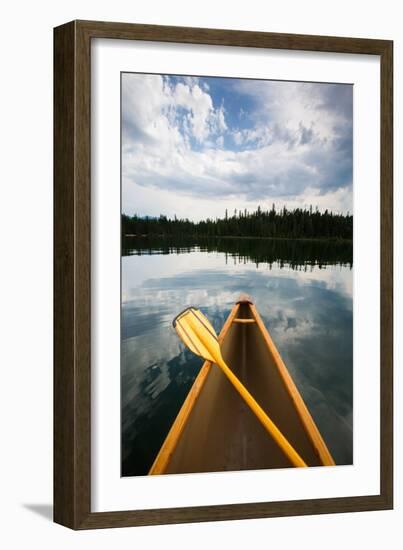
<point x="308" y="313"/>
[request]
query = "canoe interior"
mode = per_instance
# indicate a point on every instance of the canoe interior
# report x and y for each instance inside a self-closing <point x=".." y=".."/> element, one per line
<point x="221" y="433"/>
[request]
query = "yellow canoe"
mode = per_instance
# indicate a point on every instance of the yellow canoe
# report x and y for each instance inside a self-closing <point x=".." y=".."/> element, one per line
<point x="216" y="431"/>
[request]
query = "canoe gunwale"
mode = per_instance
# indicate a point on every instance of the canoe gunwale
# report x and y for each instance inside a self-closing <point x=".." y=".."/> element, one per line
<point x="303" y="412"/>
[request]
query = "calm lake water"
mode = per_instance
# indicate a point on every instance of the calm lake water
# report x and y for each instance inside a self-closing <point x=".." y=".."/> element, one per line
<point x="303" y="291"/>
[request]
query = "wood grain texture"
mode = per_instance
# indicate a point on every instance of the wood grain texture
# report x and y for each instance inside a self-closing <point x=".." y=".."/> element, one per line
<point x="221" y="37"/>
<point x="72" y="268"/>
<point x="234" y="511"/>
<point x="387" y="273"/>
<point x="64" y="344"/>
<point x="72" y="296"/>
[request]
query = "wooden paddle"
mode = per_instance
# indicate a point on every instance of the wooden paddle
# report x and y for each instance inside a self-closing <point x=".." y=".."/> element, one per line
<point x="197" y="333"/>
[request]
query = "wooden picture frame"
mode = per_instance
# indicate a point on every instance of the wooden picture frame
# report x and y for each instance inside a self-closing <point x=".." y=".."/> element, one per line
<point x="72" y="271"/>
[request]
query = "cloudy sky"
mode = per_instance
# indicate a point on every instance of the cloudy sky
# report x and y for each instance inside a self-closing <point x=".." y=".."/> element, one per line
<point x="194" y="146"/>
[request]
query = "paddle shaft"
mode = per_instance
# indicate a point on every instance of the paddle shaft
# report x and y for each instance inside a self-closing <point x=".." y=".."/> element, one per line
<point x="268" y="424"/>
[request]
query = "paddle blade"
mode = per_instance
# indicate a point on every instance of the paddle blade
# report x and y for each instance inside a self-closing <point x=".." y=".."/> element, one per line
<point x="197" y="333"/>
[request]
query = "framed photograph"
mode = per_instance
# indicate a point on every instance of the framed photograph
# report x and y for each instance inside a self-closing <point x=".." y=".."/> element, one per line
<point x="222" y="274"/>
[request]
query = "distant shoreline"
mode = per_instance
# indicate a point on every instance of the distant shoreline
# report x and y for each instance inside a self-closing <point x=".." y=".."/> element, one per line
<point x="179" y="237"/>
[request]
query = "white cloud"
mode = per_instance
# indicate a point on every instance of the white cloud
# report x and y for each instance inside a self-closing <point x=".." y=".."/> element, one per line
<point x="296" y="105"/>
<point x="199" y="108"/>
<point x="295" y="150"/>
